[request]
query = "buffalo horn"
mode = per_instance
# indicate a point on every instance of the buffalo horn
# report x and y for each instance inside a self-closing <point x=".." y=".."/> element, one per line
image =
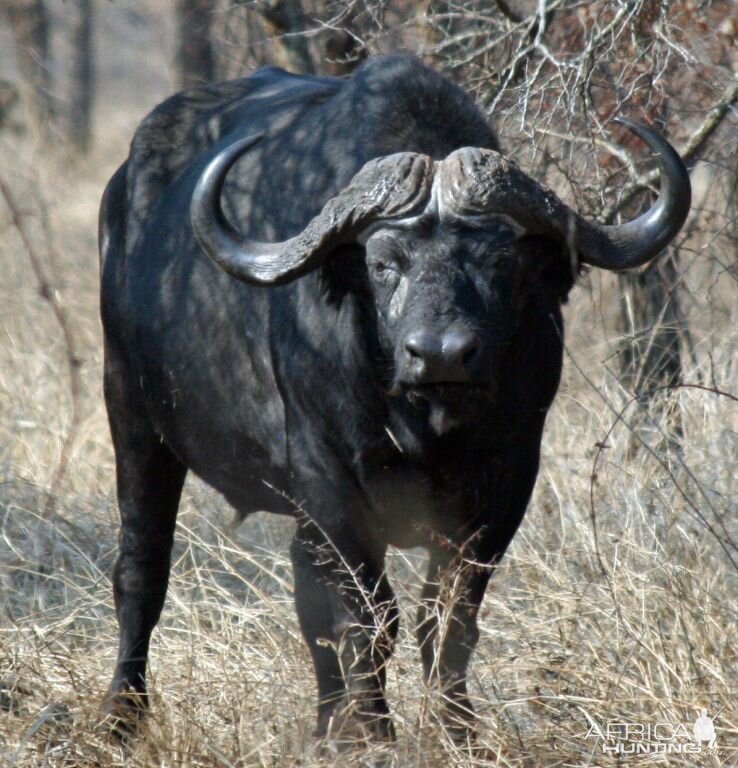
<point x="394" y="186"/>
<point x="479" y="182"/>
<point x="636" y="242"/>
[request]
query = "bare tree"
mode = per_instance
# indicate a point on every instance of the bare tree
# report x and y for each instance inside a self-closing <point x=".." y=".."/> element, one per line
<point x="317" y="37"/>
<point x="29" y="22"/>
<point x="195" y="56"/>
<point x="338" y="47"/>
<point x="81" y="88"/>
<point x="652" y="326"/>
<point x="284" y="20"/>
<point x="32" y="30"/>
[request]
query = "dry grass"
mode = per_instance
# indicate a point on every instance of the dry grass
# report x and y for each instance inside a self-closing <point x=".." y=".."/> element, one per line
<point x="634" y="620"/>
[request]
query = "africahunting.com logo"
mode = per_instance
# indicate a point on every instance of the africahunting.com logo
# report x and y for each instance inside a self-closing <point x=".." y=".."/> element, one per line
<point x="634" y="738"/>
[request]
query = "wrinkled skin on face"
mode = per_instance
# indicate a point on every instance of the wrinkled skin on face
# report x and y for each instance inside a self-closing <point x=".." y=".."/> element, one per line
<point x="450" y="301"/>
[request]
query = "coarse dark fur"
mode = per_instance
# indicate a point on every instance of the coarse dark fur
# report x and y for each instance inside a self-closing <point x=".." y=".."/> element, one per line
<point x="326" y="390"/>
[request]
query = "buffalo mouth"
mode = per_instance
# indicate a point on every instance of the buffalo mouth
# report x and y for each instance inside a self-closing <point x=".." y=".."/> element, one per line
<point x="447" y="405"/>
<point x="445" y="393"/>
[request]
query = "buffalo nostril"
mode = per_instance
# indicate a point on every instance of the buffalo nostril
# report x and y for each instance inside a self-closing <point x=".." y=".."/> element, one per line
<point x="469" y="354"/>
<point x="413" y="349"/>
<point x="460" y="346"/>
<point x="422" y="345"/>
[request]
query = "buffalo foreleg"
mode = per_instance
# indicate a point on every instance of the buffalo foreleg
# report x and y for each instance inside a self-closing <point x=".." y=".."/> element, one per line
<point x="447" y="629"/>
<point x="458" y="573"/>
<point x="447" y="633"/>
<point x="315" y="615"/>
<point x="348" y="616"/>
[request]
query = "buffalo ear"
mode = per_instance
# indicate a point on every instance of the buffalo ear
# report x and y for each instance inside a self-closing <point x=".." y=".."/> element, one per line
<point x="343" y="273"/>
<point x="551" y="264"/>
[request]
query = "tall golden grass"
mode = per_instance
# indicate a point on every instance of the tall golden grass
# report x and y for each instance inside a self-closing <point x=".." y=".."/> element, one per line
<point x="617" y="601"/>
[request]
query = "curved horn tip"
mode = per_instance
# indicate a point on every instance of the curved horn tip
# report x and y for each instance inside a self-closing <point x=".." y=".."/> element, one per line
<point x="212" y="230"/>
<point x="673" y="169"/>
<point x="653" y="138"/>
<point x="637" y="242"/>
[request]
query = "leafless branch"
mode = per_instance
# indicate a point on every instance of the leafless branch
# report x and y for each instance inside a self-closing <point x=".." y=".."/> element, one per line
<point x="49" y="294"/>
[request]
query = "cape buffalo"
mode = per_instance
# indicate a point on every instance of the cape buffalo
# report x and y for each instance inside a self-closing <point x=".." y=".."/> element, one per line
<point x="334" y="299"/>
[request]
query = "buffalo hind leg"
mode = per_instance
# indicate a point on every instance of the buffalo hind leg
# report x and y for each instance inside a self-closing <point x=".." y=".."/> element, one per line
<point x="350" y="623"/>
<point x="149" y="481"/>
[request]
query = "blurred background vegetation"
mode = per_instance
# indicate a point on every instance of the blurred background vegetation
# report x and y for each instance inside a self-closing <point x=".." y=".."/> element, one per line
<point x="618" y="597"/>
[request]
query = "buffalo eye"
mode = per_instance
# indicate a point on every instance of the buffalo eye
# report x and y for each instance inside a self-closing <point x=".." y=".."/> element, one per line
<point x="501" y="265"/>
<point x="384" y="270"/>
<point x="381" y="267"/>
<point x="504" y="263"/>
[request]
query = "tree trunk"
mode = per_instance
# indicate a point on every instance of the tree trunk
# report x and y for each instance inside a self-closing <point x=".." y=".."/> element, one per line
<point x="340" y="51"/>
<point x="81" y="77"/>
<point x="195" y="56"/>
<point x="651" y="321"/>
<point x="653" y="328"/>
<point x="339" y="56"/>
<point x="283" y="19"/>
<point x="29" y="22"/>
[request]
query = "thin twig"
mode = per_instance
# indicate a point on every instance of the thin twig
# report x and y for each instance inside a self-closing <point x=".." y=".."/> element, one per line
<point x="48" y="293"/>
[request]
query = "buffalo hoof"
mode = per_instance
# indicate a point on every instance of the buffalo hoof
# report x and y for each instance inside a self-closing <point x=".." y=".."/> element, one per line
<point x="365" y="754"/>
<point x="345" y="725"/>
<point x="459" y="721"/>
<point x="123" y="713"/>
<point x="462" y="739"/>
<point x="355" y="739"/>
